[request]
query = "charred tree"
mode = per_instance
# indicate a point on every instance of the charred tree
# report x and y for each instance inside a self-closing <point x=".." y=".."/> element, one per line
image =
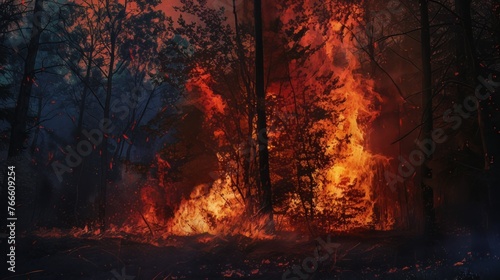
<point x="469" y="67"/>
<point x="18" y="132"/>
<point x="468" y="70"/>
<point x="265" y="178"/>
<point x="427" y="120"/>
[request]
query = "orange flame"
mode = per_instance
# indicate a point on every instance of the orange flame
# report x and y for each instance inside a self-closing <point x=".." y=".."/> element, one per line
<point x="218" y="208"/>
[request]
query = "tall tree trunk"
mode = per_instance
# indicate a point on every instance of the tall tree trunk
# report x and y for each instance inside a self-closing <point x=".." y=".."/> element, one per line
<point x="426" y="172"/>
<point x="267" y="206"/>
<point x="469" y="65"/>
<point x="18" y="133"/>
<point x="470" y="70"/>
<point x="494" y="148"/>
<point x="105" y="162"/>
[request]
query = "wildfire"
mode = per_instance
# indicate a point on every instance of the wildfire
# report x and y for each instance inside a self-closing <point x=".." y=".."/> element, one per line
<point x="355" y="165"/>
<point x="218" y="208"/>
<point x="202" y="96"/>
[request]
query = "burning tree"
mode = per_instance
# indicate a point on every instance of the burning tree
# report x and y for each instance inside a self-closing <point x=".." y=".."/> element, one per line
<point x="220" y="84"/>
<point x="312" y="135"/>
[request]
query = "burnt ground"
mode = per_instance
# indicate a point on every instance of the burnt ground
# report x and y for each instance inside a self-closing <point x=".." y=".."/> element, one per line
<point x="368" y="255"/>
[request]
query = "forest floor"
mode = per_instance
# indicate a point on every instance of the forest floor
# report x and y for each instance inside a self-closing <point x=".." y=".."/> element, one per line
<point x="367" y="255"/>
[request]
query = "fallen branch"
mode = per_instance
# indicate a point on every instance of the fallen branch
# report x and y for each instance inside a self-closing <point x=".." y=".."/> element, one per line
<point x="147" y="224"/>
